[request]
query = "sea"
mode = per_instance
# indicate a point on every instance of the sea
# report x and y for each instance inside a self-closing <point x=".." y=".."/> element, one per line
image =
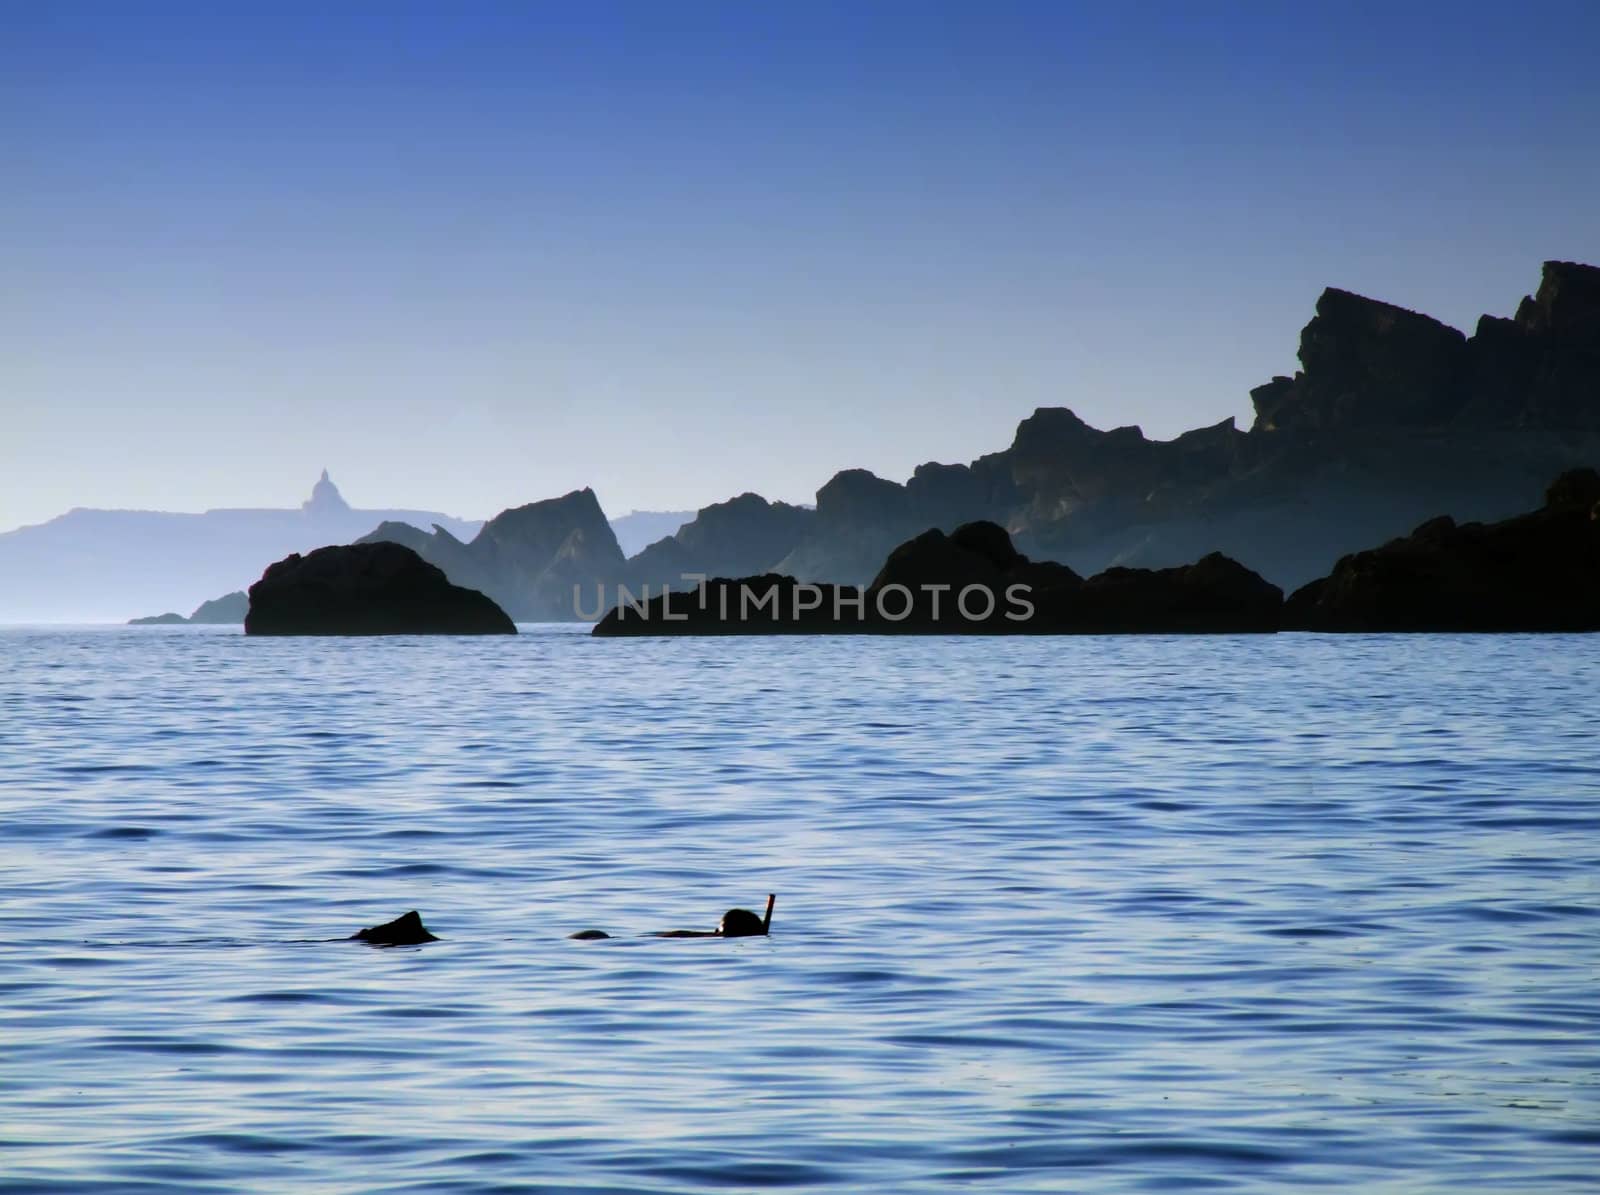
<point x="1084" y="914"/>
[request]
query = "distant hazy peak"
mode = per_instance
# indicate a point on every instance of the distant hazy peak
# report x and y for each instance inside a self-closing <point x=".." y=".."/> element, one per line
<point x="325" y="498"/>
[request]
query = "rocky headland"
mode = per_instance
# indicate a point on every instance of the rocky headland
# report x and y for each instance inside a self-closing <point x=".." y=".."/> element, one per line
<point x="1392" y="418"/>
<point x="227" y="610"/>
<point x="1537" y="572"/>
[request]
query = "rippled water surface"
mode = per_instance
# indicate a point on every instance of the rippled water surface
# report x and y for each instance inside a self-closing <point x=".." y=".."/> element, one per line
<point x="1103" y="915"/>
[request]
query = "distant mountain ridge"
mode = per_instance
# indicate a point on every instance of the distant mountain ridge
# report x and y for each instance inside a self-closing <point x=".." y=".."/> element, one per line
<point x="109" y="565"/>
<point x="1393" y="418"/>
<point x="229" y="609"/>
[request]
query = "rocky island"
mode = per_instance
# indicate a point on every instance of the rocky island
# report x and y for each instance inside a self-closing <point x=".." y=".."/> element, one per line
<point x="1535" y="572"/>
<point x="367" y="589"/>
<point x="972" y="581"/>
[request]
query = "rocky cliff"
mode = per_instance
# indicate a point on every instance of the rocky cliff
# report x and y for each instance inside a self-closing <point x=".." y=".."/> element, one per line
<point x="736" y="538"/>
<point x="527" y="559"/>
<point x="1392" y="417"/>
<point x="1536" y="572"/>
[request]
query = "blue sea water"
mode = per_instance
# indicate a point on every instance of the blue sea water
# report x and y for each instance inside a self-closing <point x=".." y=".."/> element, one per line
<point x="1087" y="914"/>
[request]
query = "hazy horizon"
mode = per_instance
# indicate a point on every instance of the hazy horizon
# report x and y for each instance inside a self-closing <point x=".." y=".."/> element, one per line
<point x="294" y="504"/>
<point x="470" y="259"/>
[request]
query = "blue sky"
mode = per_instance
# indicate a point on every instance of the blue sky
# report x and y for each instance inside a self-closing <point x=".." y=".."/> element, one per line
<point x="471" y="255"/>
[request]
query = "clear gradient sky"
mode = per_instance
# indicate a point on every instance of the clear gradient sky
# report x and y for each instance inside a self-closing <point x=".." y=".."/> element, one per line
<point x="470" y="255"/>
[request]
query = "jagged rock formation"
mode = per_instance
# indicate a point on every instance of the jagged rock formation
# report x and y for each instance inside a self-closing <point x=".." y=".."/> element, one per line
<point x="1536" y="572"/>
<point x="367" y="589"/>
<point x="1392" y="417"/>
<point x="528" y="559"/>
<point x="972" y="581"/>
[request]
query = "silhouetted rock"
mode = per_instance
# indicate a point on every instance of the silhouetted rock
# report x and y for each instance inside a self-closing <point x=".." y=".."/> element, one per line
<point x="528" y="559"/>
<point x="158" y="620"/>
<point x="744" y="534"/>
<point x="948" y="495"/>
<point x="770" y="604"/>
<point x="859" y="518"/>
<point x="664" y="563"/>
<point x="367" y="589"/>
<point x="405" y="930"/>
<point x="1215" y="595"/>
<point x="1536" y="572"/>
<point x="1392" y="417"/>
<point x="960" y="582"/>
<point x="1575" y="489"/>
<point x="1367" y="364"/>
<point x="739" y="537"/>
<point x="971" y="581"/>
<point x="228" y="609"/>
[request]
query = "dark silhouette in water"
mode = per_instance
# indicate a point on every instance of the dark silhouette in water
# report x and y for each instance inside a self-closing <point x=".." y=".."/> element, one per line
<point x="735" y="923"/>
<point x="405" y="930"/>
<point x="927" y="587"/>
<point x="742" y="923"/>
<point x="367" y="589"/>
<point x="1537" y="572"/>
